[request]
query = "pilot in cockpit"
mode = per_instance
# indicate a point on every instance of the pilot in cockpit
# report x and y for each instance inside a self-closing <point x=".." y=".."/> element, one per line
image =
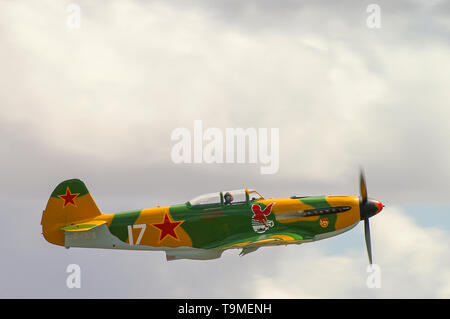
<point x="228" y="198"/>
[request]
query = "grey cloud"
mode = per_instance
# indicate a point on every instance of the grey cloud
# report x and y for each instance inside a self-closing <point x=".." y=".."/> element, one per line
<point x="100" y="105"/>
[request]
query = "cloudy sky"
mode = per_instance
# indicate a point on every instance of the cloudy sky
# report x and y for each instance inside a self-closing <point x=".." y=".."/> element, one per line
<point x="99" y="102"/>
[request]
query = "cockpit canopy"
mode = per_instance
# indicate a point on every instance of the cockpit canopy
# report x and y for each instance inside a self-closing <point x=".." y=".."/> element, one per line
<point x="253" y="195"/>
<point x="239" y="196"/>
<point x="206" y="199"/>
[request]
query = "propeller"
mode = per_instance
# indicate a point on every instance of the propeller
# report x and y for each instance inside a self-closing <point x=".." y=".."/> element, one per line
<point x="368" y="208"/>
<point x="362" y="186"/>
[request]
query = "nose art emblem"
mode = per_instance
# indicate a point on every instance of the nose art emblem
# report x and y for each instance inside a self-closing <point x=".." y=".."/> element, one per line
<point x="323" y="222"/>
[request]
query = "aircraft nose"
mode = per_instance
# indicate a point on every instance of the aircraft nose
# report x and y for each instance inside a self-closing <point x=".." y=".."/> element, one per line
<point x="379" y="205"/>
<point x="370" y="208"/>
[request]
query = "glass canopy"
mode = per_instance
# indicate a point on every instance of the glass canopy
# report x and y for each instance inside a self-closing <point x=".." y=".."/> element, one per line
<point x="238" y="196"/>
<point x="253" y="195"/>
<point x="206" y="199"/>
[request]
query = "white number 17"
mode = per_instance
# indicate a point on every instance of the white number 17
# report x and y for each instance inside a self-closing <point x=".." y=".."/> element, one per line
<point x="130" y="233"/>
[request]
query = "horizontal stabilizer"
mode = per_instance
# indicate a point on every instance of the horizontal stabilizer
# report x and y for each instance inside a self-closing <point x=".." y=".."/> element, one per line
<point x="84" y="226"/>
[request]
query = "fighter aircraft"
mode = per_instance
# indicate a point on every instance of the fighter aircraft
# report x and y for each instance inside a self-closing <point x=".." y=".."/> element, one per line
<point x="204" y="227"/>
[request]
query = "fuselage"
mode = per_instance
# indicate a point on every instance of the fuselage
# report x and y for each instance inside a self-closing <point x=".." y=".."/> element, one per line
<point x="218" y="225"/>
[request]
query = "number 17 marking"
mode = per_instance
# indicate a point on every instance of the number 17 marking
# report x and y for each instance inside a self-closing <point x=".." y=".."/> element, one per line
<point x="130" y="233"/>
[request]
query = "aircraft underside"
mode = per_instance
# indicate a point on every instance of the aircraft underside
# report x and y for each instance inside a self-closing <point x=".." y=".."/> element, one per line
<point x="101" y="237"/>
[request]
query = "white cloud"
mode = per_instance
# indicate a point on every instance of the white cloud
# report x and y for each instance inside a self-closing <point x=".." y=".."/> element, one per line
<point x="413" y="261"/>
<point x="413" y="256"/>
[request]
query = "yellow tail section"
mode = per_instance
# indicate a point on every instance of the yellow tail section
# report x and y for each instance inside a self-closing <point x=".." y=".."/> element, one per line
<point x="69" y="204"/>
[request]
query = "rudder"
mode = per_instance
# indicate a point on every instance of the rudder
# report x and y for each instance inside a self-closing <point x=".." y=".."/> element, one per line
<point x="69" y="203"/>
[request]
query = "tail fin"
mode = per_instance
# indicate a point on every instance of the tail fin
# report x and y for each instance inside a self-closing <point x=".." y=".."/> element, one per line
<point x="69" y="203"/>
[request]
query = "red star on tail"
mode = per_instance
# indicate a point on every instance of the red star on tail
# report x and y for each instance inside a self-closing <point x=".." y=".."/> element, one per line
<point x="69" y="197"/>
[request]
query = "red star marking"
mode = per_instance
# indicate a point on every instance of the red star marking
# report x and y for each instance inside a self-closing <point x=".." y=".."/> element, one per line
<point x="167" y="228"/>
<point x="69" y="197"/>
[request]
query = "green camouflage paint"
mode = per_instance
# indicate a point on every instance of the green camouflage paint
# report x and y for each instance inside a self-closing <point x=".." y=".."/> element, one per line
<point x="120" y="222"/>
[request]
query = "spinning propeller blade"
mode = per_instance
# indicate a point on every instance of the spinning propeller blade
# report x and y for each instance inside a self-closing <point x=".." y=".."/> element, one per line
<point x="367" y="236"/>
<point x="368" y="208"/>
<point x="362" y="186"/>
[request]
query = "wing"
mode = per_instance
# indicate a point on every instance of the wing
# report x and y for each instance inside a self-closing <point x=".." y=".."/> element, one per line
<point x="251" y="244"/>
